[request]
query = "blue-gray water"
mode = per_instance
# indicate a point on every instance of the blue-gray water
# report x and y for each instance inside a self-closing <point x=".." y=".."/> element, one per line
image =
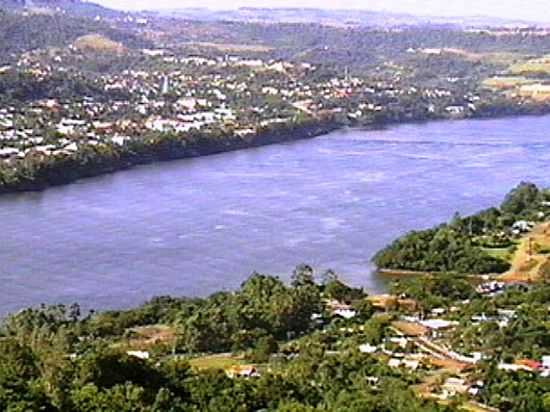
<point x="195" y="226"/>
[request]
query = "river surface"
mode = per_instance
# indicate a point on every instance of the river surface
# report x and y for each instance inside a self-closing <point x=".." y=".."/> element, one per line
<point x="195" y="226"/>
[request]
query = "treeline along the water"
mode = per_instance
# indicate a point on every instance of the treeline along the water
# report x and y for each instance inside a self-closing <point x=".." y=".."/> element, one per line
<point x="462" y="244"/>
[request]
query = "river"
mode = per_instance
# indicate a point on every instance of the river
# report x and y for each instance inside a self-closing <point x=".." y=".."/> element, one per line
<point x="195" y="226"/>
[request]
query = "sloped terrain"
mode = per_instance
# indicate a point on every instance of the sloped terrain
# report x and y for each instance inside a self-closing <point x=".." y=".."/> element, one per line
<point x="21" y="33"/>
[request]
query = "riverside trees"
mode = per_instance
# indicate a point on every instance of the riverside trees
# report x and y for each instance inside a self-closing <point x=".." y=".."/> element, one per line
<point x="456" y="246"/>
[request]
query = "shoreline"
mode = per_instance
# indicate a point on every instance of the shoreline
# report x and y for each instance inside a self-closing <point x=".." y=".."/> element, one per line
<point x="396" y="274"/>
<point x="166" y="148"/>
<point x="91" y="162"/>
<point x="335" y="138"/>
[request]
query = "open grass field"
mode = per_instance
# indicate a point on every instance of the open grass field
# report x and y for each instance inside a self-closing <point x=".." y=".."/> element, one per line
<point x="538" y="65"/>
<point x="221" y="361"/>
<point x="231" y="48"/>
<point x="410" y="328"/>
<point x="448" y="365"/>
<point x="499" y="253"/>
<point x="98" y="43"/>
<point x="506" y="82"/>
<point x="143" y="338"/>
<point x="497" y="58"/>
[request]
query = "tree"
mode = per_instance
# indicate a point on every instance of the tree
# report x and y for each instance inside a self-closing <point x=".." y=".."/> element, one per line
<point x="105" y="368"/>
<point x="20" y="388"/>
<point x="125" y="397"/>
<point x="264" y="347"/>
<point x="374" y="330"/>
<point x="524" y="196"/>
<point x="338" y="290"/>
<point x="363" y="308"/>
<point x="302" y="276"/>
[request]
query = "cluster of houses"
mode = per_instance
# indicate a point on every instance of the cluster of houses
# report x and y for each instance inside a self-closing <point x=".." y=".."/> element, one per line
<point x="422" y="340"/>
<point x="419" y="342"/>
<point x="190" y="93"/>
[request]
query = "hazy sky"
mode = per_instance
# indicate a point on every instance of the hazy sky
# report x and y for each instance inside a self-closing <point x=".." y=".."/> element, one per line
<point x="538" y="10"/>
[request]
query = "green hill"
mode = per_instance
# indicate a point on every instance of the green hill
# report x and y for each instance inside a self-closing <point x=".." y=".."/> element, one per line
<point x="21" y="33"/>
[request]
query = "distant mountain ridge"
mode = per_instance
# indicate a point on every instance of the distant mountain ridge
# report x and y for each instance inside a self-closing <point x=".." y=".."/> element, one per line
<point x="334" y="17"/>
<point x="74" y="7"/>
<point x="21" y="4"/>
<point x="337" y="17"/>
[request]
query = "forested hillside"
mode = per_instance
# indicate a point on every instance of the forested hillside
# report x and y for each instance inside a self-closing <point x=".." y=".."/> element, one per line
<point x="464" y="244"/>
<point x="21" y="33"/>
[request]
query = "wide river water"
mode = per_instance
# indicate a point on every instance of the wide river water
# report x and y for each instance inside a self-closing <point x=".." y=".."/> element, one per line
<point x="195" y="226"/>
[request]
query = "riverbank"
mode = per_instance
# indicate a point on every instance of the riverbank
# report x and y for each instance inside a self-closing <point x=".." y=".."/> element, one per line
<point x="38" y="172"/>
<point x="331" y="202"/>
<point x="480" y="246"/>
<point x="396" y="274"/>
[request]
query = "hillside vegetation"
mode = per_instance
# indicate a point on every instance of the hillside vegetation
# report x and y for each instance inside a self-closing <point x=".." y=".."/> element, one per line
<point x="463" y="245"/>
<point x="19" y="33"/>
<point x="98" y="43"/>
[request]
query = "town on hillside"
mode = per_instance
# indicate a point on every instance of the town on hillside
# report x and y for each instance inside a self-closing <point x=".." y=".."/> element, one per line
<point x="116" y="90"/>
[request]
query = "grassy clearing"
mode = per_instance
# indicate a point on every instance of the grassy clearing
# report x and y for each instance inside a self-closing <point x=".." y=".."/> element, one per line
<point x="539" y="65"/>
<point x="231" y="48"/>
<point x="498" y="58"/>
<point x="222" y="362"/>
<point x="499" y="253"/>
<point x="525" y="265"/>
<point x="506" y="82"/>
<point x="146" y="337"/>
<point x="98" y="43"/>
<point x="503" y="58"/>
<point x="410" y="328"/>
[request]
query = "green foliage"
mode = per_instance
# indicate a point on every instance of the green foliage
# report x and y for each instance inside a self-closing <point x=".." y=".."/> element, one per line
<point x="435" y="291"/>
<point x="520" y="199"/>
<point x="517" y="392"/>
<point x="264" y="347"/>
<point x="456" y="247"/>
<point x="23" y="87"/>
<point x="23" y="33"/>
<point x="125" y="397"/>
<point x="438" y="250"/>
<point x="336" y="289"/>
<point x="363" y="308"/>
<point x="41" y="368"/>
<point x="20" y="388"/>
<point x="264" y="307"/>
<point x="375" y="329"/>
<point x="106" y="368"/>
